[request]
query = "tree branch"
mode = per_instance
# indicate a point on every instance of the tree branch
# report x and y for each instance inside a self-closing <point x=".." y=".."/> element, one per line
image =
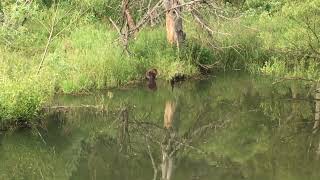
<point x="53" y="23"/>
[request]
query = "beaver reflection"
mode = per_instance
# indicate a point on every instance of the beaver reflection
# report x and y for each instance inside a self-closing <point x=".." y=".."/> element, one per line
<point x="151" y="75"/>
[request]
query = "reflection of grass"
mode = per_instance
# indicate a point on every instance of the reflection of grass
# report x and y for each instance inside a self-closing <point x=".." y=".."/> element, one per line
<point x="254" y="109"/>
<point x="25" y="156"/>
<point x="242" y="139"/>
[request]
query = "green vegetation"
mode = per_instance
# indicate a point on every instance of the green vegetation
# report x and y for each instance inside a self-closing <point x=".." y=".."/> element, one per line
<point x="279" y="38"/>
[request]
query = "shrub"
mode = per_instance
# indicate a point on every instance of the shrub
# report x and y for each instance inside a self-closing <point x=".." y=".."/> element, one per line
<point x="23" y="93"/>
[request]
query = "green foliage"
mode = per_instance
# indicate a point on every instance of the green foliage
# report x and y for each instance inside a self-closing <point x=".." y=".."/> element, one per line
<point x="239" y="47"/>
<point x="278" y="37"/>
<point x="12" y="32"/>
<point x="101" y="8"/>
<point x="22" y="99"/>
<point x="260" y="6"/>
<point x="292" y="36"/>
<point x="275" y="68"/>
<point x="302" y="69"/>
<point x="22" y="93"/>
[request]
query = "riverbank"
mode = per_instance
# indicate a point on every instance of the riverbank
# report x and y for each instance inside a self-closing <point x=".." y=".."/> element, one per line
<point x="88" y="60"/>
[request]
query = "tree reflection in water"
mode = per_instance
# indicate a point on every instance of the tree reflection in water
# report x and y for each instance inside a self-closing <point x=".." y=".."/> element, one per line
<point x="226" y="128"/>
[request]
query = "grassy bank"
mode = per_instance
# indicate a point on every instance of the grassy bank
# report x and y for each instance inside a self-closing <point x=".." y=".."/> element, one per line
<point x="278" y="38"/>
<point x="87" y="59"/>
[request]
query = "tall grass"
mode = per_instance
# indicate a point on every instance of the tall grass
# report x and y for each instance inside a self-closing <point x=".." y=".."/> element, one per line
<point x="90" y="58"/>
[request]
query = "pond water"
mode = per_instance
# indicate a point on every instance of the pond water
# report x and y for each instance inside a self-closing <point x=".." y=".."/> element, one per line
<point x="229" y="127"/>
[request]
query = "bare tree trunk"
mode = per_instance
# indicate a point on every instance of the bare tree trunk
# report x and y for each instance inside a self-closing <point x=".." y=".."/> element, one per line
<point x="174" y="26"/>
<point x="130" y="20"/>
<point x="127" y="15"/>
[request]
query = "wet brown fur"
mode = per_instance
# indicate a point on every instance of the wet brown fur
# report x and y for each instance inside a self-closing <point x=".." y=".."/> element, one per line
<point x="151" y="75"/>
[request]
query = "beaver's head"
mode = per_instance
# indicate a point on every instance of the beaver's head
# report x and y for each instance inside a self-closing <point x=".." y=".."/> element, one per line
<point x="151" y="74"/>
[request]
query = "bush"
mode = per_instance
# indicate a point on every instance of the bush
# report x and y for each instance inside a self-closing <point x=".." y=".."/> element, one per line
<point x="291" y="36"/>
<point x="22" y="99"/>
<point x="23" y="92"/>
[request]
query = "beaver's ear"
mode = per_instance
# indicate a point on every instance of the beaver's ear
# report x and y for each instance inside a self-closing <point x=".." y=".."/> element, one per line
<point x="155" y="71"/>
<point x="147" y="75"/>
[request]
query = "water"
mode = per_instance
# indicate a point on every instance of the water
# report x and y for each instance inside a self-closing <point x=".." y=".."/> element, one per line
<point x="229" y="127"/>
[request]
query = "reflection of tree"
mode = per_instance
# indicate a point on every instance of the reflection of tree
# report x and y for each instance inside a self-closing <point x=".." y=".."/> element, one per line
<point x="317" y="115"/>
<point x="172" y="143"/>
<point x="167" y="146"/>
<point x="124" y="136"/>
<point x="226" y="127"/>
<point x="220" y="132"/>
<point x="168" y="153"/>
<point x="317" y="109"/>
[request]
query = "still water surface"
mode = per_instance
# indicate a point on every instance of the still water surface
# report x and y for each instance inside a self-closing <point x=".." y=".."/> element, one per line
<point x="228" y="127"/>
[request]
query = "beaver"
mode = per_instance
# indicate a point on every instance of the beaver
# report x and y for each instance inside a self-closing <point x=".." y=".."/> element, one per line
<point x="151" y="75"/>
